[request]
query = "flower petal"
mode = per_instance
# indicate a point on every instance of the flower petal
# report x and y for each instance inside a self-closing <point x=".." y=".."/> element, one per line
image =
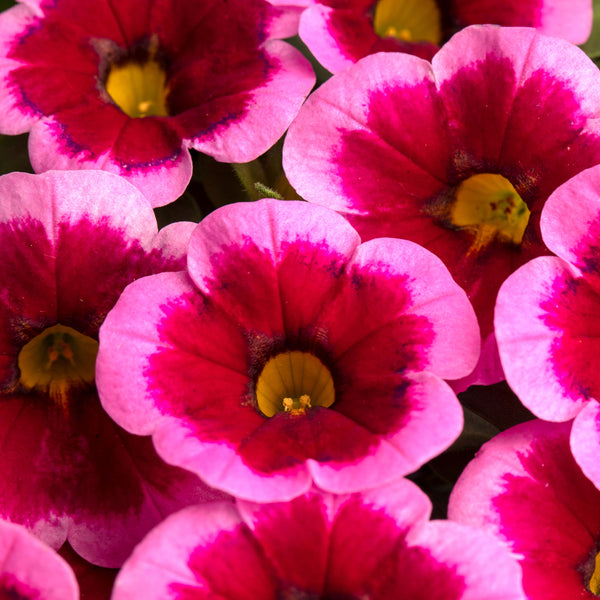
<point x="525" y="488"/>
<point x="544" y="326"/>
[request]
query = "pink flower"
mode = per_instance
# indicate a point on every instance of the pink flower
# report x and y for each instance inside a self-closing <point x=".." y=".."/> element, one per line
<point x="458" y="155"/>
<point x="525" y="488"/>
<point x="70" y="242"/>
<point x="129" y="87"/>
<point x="290" y="353"/>
<point x="377" y="545"/>
<point x="547" y="320"/>
<point x="30" y="570"/>
<point x="341" y="32"/>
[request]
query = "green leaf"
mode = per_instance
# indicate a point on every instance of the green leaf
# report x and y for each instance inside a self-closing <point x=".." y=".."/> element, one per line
<point x="592" y="46"/>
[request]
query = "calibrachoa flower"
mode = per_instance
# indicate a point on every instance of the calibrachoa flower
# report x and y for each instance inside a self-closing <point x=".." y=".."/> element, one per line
<point x="290" y="353"/>
<point x="547" y="319"/>
<point x="526" y="489"/>
<point x="30" y="570"/>
<point x="377" y="545"/>
<point x="70" y="242"/>
<point x="340" y="32"/>
<point x="458" y="155"/>
<point x="130" y="86"/>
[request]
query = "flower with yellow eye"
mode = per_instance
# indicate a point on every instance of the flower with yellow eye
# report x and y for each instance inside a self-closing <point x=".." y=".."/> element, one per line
<point x="341" y="32"/>
<point x="290" y="353"/>
<point x="69" y="243"/>
<point x="442" y="153"/>
<point x="130" y="86"/>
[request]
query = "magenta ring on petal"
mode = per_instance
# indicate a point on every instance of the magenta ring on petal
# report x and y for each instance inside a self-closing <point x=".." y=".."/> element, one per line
<point x="440" y="153"/>
<point x="69" y="473"/>
<point x="290" y="353"/>
<point x="129" y="88"/>
<point x="378" y="545"/>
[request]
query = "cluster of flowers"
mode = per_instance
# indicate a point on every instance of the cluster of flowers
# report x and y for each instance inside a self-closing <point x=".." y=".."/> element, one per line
<point x="230" y="409"/>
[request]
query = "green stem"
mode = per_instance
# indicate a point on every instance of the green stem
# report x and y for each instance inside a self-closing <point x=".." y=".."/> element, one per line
<point x="249" y="174"/>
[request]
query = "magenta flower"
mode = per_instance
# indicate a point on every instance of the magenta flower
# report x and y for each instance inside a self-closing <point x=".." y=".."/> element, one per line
<point x="30" y="570"/>
<point x="341" y="32"/>
<point x="442" y="153"/>
<point x="70" y="242"/>
<point x="547" y="319"/>
<point x="377" y="545"/>
<point x="129" y="87"/>
<point x="290" y="353"/>
<point x="526" y="489"/>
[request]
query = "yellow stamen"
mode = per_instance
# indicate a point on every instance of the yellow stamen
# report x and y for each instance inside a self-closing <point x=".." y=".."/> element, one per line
<point x="297" y="407"/>
<point x="304" y="401"/>
<point x="139" y="89"/>
<point x="293" y="382"/>
<point x="56" y="360"/>
<point x="490" y="207"/>
<point x="408" y="20"/>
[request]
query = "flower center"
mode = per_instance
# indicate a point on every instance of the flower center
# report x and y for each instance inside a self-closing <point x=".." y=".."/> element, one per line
<point x="594" y="584"/>
<point x="408" y="20"/>
<point x="489" y="206"/>
<point x="139" y="89"/>
<point x="56" y="360"/>
<point x="293" y="382"/>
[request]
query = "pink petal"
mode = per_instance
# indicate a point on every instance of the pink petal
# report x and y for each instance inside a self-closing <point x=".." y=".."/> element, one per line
<point x="30" y="569"/>
<point x="561" y="18"/>
<point x="525" y="488"/>
<point x="543" y="317"/>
